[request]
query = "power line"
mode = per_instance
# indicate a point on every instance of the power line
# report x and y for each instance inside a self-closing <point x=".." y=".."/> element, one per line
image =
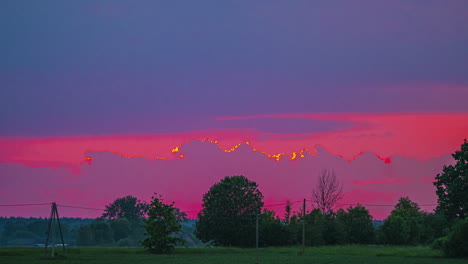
<point x="29" y="204"/>
<point x="81" y="207"/>
<point x="197" y="211"/>
<point x="357" y="204"/>
<point x="269" y="205"/>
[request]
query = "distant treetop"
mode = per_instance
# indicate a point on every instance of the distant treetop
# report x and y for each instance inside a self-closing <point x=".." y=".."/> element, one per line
<point x="128" y="207"/>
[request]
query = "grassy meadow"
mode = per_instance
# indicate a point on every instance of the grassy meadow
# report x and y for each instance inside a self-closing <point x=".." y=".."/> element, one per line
<point x="327" y="254"/>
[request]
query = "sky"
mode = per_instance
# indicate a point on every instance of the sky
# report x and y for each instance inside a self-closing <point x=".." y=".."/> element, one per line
<point x="100" y="99"/>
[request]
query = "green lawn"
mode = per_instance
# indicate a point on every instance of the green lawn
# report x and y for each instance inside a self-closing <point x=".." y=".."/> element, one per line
<point x="335" y="254"/>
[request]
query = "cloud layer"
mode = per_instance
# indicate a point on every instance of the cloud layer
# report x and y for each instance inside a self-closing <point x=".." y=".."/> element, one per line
<point x="416" y="135"/>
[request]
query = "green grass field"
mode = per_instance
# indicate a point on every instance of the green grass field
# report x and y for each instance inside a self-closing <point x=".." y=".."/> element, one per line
<point x="330" y="254"/>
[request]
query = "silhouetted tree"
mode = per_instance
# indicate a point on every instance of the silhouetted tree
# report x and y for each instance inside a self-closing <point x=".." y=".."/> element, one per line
<point x="287" y="211"/>
<point x="294" y="229"/>
<point x="229" y="212"/>
<point x="315" y="228"/>
<point x="272" y="231"/>
<point x="452" y="186"/>
<point x="357" y="223"/>
<point x="334" y="232"/>
<point x="405" y="223"/>
<point x="327" y="192"/>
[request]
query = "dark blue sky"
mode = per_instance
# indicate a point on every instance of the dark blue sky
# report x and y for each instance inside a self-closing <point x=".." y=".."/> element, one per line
<point x="112" y="67"/>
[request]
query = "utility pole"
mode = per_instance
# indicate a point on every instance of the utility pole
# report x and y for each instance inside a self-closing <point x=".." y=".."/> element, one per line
<point x="303" y="226"/>
<point x="53" y="240"/>
<point x="51" y="229"/>
<point x="256" y="241"/>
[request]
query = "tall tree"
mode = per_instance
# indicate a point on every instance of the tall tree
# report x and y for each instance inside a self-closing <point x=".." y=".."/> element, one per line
<point x="405" y="223"/>
<point x="406" y="208"/>
<point x="229" y="212"/>
<point x="128" y="207"/>
<point x="161" y="227"/>
<point x="327" y="192"/>
<point x="287" y="211"/>
<point x="452" y="186"/>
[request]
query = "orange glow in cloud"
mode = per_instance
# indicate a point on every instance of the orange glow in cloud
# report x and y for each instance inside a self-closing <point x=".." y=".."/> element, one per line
<point x="418" y="135"/>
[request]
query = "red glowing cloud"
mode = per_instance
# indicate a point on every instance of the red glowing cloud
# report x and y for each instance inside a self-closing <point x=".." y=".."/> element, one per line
<point x="418" y="135"/>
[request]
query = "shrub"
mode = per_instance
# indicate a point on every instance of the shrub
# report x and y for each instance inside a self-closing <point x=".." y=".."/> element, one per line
<point x="439" y="243"/>
<point x="161" y="227"/>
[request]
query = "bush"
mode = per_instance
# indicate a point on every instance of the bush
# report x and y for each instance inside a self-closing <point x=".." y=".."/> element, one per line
<point x="161" y="227"/>
<point x="439" y="243"/>
<point x="457" y="242"/>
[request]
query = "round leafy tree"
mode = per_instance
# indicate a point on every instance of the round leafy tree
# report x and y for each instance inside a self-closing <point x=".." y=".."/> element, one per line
<point x="229" y="213"/>
<point x="405" y="223"/>
<point x="161" y="226"/>
<point x="452" y="186"/>
<point x="358" y="225"/>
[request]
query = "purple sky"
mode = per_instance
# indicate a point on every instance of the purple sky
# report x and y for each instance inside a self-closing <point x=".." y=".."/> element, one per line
<point x="67" y="66"/>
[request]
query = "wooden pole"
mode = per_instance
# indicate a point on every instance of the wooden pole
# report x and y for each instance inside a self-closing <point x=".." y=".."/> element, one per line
<point x="51" y="231"/>
<point x="60" y="229"/>
<point x="48" y="230"/>
<point x="303" y="226"/>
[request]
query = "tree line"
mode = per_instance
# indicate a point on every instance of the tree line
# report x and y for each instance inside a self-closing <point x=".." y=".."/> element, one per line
<point x="230" y="210"/>
<point x="232" y="207"/>
<point x="18" y="231"/>
<point x="123" y="224"/>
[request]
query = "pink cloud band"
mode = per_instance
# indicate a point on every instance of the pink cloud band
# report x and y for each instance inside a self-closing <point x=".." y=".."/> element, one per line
<point x="417" y="135"/>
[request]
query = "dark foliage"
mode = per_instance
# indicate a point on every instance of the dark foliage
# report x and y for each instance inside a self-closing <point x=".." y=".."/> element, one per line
<point x="357" y="225"/>
<point x="128" y="207"/>
<point x="161" y="227"/>
<point x="457" y="240"/>
<point x="272" y="231"/>
<point x="452" y="186"/>
<point x="229" y="213"/>
<point x="405" y="224"/>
